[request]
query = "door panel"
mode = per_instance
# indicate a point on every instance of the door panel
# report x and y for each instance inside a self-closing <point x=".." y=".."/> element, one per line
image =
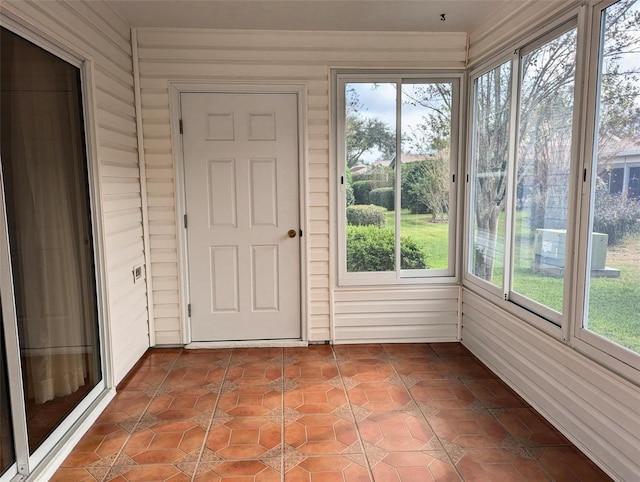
<point x="241" y="182"/>
<point x="222" y="193"/>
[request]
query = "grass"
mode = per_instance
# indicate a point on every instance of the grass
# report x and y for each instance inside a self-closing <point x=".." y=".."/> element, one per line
<point x="614" y="303"/>
<point x="433" y="238"/>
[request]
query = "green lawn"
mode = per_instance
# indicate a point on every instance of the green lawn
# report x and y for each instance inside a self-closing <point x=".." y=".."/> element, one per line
<point x="433" y="238"/>
<point x="614" y="303"/>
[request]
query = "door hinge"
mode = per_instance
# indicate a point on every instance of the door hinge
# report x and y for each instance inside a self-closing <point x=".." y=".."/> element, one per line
<point x="185" y="221"/>
<point x="181" y="127"/>
<point x="189" y="310"/>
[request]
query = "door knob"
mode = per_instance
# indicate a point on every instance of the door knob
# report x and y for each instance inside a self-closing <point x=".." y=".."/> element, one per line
<point x="291" y="233"/>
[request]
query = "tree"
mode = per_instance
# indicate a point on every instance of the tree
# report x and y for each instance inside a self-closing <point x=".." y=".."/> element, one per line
<point x="491" y="123"/>
<point x="545" y="135"/>
<point x="425" y="183"/>
<point x="367" y="134"/>
<point x="434" y="132"/>
<point x="619" y="109"/>
<point x="364" y="134"/>
<point x="545" y="111"/>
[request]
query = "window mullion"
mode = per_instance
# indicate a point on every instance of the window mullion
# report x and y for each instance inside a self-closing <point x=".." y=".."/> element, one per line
<point x="398" y="178"/>
<point x="512" y="173"/>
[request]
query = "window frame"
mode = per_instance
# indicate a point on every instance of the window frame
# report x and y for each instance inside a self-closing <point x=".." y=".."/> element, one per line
<point x="552" y="316"/>
<point x="570" y="331"/>
<point x="480" y="284"/>
<point x="542" y="317"/>
<point x="599" y="348"/>
<point x="399" y="276"/>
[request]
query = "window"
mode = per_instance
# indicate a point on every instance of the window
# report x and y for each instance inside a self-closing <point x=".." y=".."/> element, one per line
<point x="490" y="158"/>
<point x="521" y="152"/>
<point x="612" y="300"/>
<point x="397" y="151"/>
<point x="554" y="191"/>
<point x="543" y="165"/>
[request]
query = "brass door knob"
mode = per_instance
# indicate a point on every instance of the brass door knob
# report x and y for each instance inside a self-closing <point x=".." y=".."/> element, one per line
<point x="292" y="233"/>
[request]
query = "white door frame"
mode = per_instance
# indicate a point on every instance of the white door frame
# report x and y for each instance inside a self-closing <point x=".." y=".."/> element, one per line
<point x="177" y="88"/>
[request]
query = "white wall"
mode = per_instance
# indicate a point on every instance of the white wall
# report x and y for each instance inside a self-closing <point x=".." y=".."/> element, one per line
<point x="511" y="23"/>
<point x="91" y="31"/>
<point x="396" y="315"/>
<point x="276" y="57"/>
<point x="596" y="409"/>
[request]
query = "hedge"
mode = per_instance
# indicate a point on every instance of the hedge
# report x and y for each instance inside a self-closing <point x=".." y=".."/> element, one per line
<point x="372" y="249"/>
<point x="366" y="216"/>
<point x="383" y="196"/>
<point x="616" y="215"/>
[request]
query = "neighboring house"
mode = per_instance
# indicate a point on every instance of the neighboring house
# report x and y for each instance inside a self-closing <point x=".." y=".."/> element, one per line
<point x="406" y="157"/>
<point x="153" y="96"/>
<point x="620" y="170"/>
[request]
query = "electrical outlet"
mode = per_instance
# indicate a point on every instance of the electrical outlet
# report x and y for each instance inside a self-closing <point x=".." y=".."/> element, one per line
<point x="137" y="272"/>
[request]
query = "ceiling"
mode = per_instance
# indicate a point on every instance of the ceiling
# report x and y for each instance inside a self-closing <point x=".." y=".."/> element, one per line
<point x="323" y="15"/>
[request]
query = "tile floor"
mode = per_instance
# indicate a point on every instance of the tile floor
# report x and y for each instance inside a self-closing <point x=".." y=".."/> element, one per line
<point x="415" y="412"/>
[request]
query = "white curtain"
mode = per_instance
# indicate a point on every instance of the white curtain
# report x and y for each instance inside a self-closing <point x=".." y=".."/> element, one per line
<point x="48" y="227"/>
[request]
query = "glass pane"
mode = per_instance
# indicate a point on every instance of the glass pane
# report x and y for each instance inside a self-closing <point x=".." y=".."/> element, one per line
<point x="614" y="261"/>
<point x="543" y="166"/>
<point x="425" y="175"/>
<point x="370" y="138"/>
<point x="47" y="202"/>
<point x="490" y="152"/>
<point x="7" y="454"/>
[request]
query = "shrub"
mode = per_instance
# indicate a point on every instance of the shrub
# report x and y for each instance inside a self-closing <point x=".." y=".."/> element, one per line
<point x="366" y="216"/>
<point x="616" y="216"/>
<point x="383" y="196"/>
<point x="425" y="185"/>
<point x="361" y="190"/>
<point x="372" y="249"/>
<point x="349" y="189"/>
<point x="413" y="175"/>
<point x="375" y="177"/>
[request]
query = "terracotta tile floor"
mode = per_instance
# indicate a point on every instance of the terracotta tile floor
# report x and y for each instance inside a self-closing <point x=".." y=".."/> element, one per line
<point x="416" y="412"/>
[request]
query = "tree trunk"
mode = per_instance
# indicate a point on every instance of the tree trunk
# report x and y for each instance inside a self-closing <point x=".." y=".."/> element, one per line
<point x="486" y="241"/>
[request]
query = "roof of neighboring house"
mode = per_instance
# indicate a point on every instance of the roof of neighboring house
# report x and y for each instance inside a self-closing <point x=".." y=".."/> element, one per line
<point x="359" y="168"/>
<point x="405" y="158"/>
<point x="622" y="148"/>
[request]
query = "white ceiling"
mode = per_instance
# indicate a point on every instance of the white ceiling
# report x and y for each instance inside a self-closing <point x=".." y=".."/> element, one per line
<point x="341" y="15"/>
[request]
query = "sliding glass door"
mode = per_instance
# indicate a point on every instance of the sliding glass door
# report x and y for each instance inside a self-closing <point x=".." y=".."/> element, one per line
<point x="47" y="221"/>
<point x="7" y="449"/>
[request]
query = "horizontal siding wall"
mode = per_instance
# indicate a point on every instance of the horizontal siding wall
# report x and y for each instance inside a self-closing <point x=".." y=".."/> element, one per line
<point x="593" y="407"/>
<point x="510" y="23"/>
<point x="252" y="57"/>
<point x="396" y="314"/>
<point x="91" y="30"/>
<point x="597" y="410"/>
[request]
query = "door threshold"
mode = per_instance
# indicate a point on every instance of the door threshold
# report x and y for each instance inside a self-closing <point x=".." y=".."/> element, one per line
<point x="246" y="344"/>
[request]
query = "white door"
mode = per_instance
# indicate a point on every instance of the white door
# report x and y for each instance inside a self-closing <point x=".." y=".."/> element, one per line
<point x="243" y="222"/>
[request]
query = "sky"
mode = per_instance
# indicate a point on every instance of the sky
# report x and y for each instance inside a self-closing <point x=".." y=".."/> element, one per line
<point x="379" y="101"/>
